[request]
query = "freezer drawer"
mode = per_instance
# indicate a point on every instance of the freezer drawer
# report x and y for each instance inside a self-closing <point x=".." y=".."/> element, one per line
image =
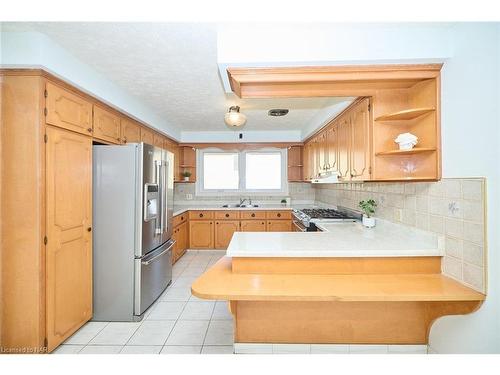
<point x="153" y="273"/>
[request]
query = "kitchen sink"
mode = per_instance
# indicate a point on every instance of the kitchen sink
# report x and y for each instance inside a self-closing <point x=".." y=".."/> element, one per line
<point x="236" y="205"/>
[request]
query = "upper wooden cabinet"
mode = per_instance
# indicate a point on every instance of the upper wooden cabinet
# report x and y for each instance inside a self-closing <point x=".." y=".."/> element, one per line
<point x="67" y="110"/>
<point x="158" y="140"/>
<point x="295" y="166"/>
<point x="107" y="125"/>
<point x="131" y="132"/>
<point x="147" y="136"/>
<point x="360" y="147"/>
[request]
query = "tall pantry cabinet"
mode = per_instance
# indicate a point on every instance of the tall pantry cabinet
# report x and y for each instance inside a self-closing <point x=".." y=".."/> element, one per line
<point x="46" y="213"/>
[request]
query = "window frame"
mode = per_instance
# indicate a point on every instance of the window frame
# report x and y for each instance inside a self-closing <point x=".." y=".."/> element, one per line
<point x="200" y="191"/>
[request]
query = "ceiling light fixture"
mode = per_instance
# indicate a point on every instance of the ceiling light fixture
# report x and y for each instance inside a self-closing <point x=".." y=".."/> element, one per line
<point x="278" y="112"/>
<point x="234" y="118"/>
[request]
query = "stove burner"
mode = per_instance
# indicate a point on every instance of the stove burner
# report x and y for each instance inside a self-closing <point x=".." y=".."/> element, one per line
<point x="324" y="213"/>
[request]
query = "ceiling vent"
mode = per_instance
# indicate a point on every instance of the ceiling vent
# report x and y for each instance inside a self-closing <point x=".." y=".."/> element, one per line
<point x="277" y="112"/>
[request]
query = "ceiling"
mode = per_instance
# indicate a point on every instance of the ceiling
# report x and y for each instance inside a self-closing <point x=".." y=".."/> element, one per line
<point x="172" y="67"/>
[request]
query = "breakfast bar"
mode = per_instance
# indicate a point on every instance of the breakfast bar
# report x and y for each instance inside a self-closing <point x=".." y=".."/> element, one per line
<point x="346" y="285"/>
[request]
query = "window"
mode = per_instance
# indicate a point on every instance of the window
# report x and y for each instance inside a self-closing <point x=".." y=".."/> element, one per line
<point x="256" y="172"/>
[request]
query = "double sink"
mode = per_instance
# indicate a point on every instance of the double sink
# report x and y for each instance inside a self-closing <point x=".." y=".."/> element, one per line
<point x="236" y="205"/>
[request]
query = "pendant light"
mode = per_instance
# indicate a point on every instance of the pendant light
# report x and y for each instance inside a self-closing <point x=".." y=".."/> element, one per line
<point x="234" y="118"/>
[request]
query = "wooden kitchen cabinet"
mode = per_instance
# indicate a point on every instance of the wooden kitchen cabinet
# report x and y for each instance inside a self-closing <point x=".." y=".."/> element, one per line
<point x="158" y="140"/>
<point x="295" y="165"/>
<point x="107" y="126"/>
<point x="344" y="146"/>
<point x="147" y="136"/>
<point x="224" y="230"/>
<point x="253" y="225"/>
<point x="131" y="132"/>
<point x="360" y="142"/>
<point x="201" y="234"/>
<point x="69" y="237"/>
<point x="253" y="215"/>
<point x="332" y="148"/>
<point x="180" y="235"/>
<point x="279" y="225"/>
<point x="67" y="110"/>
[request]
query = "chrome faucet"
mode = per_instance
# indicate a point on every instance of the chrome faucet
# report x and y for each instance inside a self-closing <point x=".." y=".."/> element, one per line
<point x="244" y="200"/>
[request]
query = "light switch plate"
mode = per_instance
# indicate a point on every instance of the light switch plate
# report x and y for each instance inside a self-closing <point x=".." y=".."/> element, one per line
<point x="189" y="197"/>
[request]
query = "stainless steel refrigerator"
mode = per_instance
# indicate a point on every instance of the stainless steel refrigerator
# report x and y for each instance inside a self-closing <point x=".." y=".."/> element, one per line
<point x="132" y="221"/>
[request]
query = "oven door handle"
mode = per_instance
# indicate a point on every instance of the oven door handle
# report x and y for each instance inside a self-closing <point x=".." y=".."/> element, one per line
<point x="298" y="226"/>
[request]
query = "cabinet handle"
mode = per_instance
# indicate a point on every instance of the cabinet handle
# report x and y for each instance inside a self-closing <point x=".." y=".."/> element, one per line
<point x="89" y="130"/>
<point x="89" y="229"/>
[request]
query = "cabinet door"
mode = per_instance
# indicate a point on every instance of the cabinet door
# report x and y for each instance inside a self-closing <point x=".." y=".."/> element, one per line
<point x="158" y="140"/>
<point x="344" y="143"/>
<point x="106" y="125"/>
<point x="67" y="110"/>
<point x="332" y="148"/>
<point x="147" y="136"/>
<point x="306" y="161"/>
<point x="131" y="132"/>
<point x="175" y="249"/>
<point x="322" y="158"/>
<point x="360" y="146"/>
<point x="279" y="225"/>
<point x="201" y="234"/>
<point x="69" y="222"/>
<point x="224" y="230"/>
<point x="253" y="226"/>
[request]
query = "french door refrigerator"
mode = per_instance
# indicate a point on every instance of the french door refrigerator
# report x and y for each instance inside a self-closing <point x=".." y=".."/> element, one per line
<point x="132" y="220"/>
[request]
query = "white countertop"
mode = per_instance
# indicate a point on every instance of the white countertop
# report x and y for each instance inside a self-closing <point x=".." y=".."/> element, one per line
<point x="339" y="240"/>
<point x="214" y="207"/>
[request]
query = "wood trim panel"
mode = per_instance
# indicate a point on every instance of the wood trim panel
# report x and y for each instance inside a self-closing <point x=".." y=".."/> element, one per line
<point x="341" y="322"/>
<point x="22" y="213"/>
<point x="338" y="266"/>
<point x="319" y="81"/>
<point x="240" y="146"/>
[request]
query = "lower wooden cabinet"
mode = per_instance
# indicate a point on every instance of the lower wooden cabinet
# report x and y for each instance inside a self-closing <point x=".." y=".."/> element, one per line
<point x="180" y="235"/>
<point x="224" y="230"/>
<point x="201" y="234"/>
<point x="279" y="226"/>
<point x="253" y="226"/>
<point x="69" y="237"/>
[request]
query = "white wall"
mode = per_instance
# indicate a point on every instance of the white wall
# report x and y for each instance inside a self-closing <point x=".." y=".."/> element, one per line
<point x="470" y="116"/>
<point x="33" y="49"/>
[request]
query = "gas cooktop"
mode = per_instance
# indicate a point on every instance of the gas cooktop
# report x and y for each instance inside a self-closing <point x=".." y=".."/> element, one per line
<point x="309" y="216"/>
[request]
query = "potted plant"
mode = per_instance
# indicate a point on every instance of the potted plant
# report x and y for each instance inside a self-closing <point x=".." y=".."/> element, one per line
<point x="186" y="175"/>
<point x="283" y="202"/>
<point x="368" y="208"/>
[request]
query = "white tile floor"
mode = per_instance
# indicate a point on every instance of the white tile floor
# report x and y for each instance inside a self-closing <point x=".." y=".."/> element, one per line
<point x="177" y="323"/>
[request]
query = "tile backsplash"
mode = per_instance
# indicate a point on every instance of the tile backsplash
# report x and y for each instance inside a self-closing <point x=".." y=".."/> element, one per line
<point x="299" y="192"/>
<point x="453" y="207"/>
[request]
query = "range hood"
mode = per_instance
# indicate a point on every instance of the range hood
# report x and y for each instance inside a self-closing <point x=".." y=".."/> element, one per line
<point x="327" y="178"/>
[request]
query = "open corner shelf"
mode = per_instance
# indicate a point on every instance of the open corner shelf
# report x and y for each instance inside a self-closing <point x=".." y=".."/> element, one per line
<point x="408" y="114"/>
<point x="416" y="150"/>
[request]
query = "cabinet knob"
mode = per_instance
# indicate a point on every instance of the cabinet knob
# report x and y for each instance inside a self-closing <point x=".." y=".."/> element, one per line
<point x="279" y="215"/>
<point x="182" y="217"/>
<point x="89" y="229"/>
<point x="118" y="139"/>
<point x="89" y="130"/>
<point x="253" y="215"/>
<point x="227" y="215"/>
<point x="217" y="223"/>
<point x="201" y="215"/>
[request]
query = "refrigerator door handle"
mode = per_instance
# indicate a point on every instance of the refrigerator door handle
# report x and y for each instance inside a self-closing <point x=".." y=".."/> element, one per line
<point x="164" y="222"/>
<point x="158" y="226"/>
